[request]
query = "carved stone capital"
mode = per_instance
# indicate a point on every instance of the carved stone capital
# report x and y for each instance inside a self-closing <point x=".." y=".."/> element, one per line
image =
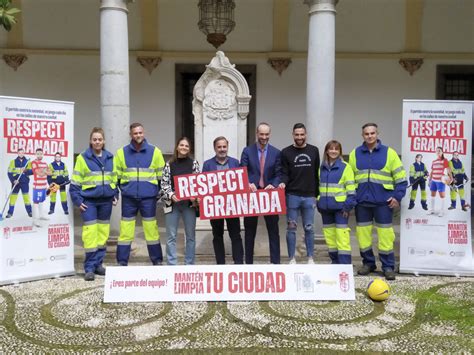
<point x="14" y="60"/>
<point x="321" y="5"/>
<point x="243" y="106"/>
<point x="279" y="64"/>
<point x="149" y="63"/>
<point x="411" y="65"/>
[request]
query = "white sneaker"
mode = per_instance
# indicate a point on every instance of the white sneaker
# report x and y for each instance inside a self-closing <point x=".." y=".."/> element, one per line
<point x="440" y="214"/>
<point x="292" y="261"/>
<point x="431" y="212"/>
<point x="310" y="261"/>
<point x="36" y="222"/>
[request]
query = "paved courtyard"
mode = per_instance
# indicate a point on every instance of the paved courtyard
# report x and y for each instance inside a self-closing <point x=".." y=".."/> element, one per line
<point x="424" y="314"/>
<point x="67" y="315"/>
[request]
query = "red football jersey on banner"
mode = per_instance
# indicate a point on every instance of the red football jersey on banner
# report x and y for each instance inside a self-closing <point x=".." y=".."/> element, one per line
<point x="40" y="177"/>
<point x="437" y="169"/>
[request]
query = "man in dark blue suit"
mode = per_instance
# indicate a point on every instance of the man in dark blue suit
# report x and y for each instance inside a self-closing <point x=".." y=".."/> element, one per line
<point x="221" y="161"/>
<point x="263" y="166"/>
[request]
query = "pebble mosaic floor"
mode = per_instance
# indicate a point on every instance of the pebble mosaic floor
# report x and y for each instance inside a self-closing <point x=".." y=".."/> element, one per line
<point x="67" y="316"/>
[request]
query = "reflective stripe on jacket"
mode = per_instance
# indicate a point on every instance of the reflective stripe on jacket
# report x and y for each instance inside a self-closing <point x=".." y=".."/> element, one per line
<point x="93" y="177"/>
<point x="379" y="175"/>
<point x="139" y="171"/>
<point x="336" y="186"/>
<point x="457" y="169"/>
<point x="59" y="173"/>
<point x="417" y="171"/>
<point x="14" y="170"/>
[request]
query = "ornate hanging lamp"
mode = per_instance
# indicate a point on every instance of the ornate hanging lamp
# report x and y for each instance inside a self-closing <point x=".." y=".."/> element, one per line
<point x="216" y="20"/>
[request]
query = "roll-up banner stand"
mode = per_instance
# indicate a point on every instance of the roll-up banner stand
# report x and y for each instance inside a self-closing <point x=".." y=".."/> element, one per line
<point x="435" y="225"/>
<point x="36" y="241"/>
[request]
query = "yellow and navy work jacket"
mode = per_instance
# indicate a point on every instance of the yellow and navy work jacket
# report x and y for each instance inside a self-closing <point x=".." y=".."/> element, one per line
<point x="458" y="171"/>
<point x="139" y="171"/>
<point x="93" y="177"/>
<point x="14" y="170"/>
<point x="336" y="186"/>
<point x="59" y="173"/>
<point x="379" y="175"/>
<point x="417" y="172"/>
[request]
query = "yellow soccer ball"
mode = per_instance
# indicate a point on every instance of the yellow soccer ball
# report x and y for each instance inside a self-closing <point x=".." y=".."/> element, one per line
<point x="378" y="290"/>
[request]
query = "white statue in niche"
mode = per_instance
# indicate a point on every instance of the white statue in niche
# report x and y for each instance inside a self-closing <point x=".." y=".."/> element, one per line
<point x="220" y="107"/>
<point x="219" y="100"/>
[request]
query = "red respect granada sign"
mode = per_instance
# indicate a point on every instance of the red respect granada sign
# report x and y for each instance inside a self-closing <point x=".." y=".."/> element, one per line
<point x="427" y="135"/>
<point x="213" y="182"/>
<point x="33" y="134"/>
<point x="226" y="193"/>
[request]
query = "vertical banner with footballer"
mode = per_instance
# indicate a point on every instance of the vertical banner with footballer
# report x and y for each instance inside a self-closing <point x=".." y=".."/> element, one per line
<point x="435" y="226"/>
<point x="36" y="225"/>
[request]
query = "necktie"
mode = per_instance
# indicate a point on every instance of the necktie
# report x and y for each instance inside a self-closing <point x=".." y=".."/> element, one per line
<point x="261" y="183"/>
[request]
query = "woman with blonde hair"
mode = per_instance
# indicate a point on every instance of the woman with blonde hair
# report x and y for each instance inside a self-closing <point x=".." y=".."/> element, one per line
<point x="335" y="201"/>
<point x="94" y="190"/>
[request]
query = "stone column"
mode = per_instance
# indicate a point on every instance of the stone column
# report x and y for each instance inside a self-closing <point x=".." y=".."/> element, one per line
<point x="321" y="68"/>
<point x="114" y="80"/>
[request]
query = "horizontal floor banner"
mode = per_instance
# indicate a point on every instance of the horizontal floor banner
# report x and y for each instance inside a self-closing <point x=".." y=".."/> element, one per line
<point x="228" y="283"/>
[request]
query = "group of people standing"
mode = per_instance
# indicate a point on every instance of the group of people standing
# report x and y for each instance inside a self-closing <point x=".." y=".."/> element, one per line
<point x="373" y="182"/>
<point x="44" y="176"/>
<point x="443" y="173"/>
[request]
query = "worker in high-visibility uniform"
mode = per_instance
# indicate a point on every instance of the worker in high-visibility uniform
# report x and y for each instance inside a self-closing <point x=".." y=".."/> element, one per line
<point x="140" y="167"/>
<point x="20" y="183"/>
<point x="59" y="175"/>
<point x="335" y="201"/>
<point x="418" y="175"/>
<point x="459" y="179"/>
<point x="94" y="190"/>
<point x="380" y="186"/>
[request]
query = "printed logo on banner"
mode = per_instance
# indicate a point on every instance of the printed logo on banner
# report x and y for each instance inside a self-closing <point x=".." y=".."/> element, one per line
<point x="344" y="281"/>
<point x="416" y="252"/>
<point x="58" y="236"/>
<point x="437" y="252"/>
<point x="458" y="254"/>
<point x="16" y="262"/>
<point x="457" y="232"/>
<point x="58" y="257"/>
<point x="412" y="222"/>
<point x="304" y="283"/>
<point x="22" y="229"/>
<point x="37" y="260"/>
<point x="6" y="232"/>
<point x="326" y="282"/>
